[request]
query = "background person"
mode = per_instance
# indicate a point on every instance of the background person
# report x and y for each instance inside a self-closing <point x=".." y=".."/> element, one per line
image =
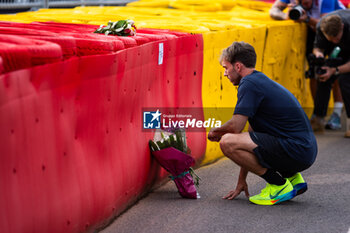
<point x="333" y="30"/>
<point x="280" y="143"/>
<point x="313" y="10"/>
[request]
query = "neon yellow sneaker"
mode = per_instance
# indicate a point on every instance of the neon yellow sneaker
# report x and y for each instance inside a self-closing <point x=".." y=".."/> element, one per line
<point x="298" y="183"/>
<point x="273" y="194"/>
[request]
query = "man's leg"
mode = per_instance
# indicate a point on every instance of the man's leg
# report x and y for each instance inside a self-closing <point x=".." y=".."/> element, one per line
<point x="334" y="121"/>
<point x="321" y="103"/>
<point x="240" y="149"/>
<point x="344" y="84"/>
<point x="337" y="97"/>
<point x="309" y="47"/>
<point x="313" y="88"/>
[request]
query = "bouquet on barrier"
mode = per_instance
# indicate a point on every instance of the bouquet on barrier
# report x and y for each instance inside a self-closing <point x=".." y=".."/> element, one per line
<point x="119" y="28"/>
<point x="170" y="150"/>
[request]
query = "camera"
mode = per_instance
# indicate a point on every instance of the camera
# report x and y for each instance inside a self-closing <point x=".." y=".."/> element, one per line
<point x="316" y="63"/>
<point x="296" y="12"/>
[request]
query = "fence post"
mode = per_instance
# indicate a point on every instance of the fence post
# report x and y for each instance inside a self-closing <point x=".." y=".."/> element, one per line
<point x="45" y="3"/>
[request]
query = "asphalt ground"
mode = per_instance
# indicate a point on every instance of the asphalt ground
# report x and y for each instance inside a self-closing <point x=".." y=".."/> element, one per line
<point x="325" y="207"/>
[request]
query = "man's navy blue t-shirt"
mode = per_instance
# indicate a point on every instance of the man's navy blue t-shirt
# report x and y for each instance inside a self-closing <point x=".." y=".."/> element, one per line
<point x="273" y="110"/>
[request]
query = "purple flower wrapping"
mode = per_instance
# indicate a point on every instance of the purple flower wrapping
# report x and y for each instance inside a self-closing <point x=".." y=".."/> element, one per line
<point x="178" y="163"/>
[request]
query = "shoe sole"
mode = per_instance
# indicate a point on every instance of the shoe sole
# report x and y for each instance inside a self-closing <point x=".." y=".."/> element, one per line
<point x="300" y="188"/>
<point x="284" y="197"/>
<point x="287" y="196"/>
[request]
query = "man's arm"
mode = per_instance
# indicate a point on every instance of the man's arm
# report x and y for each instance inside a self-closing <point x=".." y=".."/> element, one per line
<point x="318" y="52"/>
<point x="345" y="68"/>
<point x="241" y="185"/>
<point x="234" y="125"/>
<point x="276" y="11"/>
<point x="310" y="21"/>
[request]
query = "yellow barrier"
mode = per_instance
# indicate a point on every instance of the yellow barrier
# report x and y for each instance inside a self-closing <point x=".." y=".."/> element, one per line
<point x="142" y="4"/>
<point x="284" y="57"/>
<point x="218" y="94"/>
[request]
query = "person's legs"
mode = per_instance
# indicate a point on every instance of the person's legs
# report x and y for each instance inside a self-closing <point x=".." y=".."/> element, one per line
<point x="322" y="97"/>
<point x="259" y="152"/>
<point x="272" y="154"/>
<point x="337" y="95"/>
<point x="334" y="122"/>
<point x="321" y="103"/>
<point x="309" y="47"/>
<point x="240" y="148"/>
<point x="344" y="84"/>
<point x="298" y="183"/>
<point x="313" y="88"/>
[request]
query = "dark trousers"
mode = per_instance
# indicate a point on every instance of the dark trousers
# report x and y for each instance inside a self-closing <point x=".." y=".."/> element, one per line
<point x="324" y="91"/>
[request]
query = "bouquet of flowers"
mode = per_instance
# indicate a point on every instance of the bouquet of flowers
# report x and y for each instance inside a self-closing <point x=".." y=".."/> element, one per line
<point x="119" y="28"/>
<point x="170" y="149"/>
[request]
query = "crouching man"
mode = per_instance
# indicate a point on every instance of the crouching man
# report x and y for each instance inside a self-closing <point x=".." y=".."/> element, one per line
<point x="280" y="142"/>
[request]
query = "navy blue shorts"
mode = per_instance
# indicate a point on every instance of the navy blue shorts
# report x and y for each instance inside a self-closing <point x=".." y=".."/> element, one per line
<point x="271" y="155"/>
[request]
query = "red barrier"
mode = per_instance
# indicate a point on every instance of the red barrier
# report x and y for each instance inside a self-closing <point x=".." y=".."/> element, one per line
<point x="156" y="37"/>
<point x="67" y="43"/>
<point x="41" y="52"/>
<point x="128" y="41"/>
<point x="161" y="31"/>
<point x="69" y="26"/>
<point x="24" y="31"/>
<point x="14" y="57"/>
<point x="86" y="43"/>
<point x="73" y="152"/>
<point x="1" y="66"/>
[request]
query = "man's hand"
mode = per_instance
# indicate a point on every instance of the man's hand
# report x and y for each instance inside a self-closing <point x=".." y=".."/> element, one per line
<point x="303" y="17"/>
<point x="276" y="11"/>
<point x="318" y="53"/>
<point x="323" y="77"/>
<point x="234" y="125"/>
<point x="241" y="186"/>
<point x="329" y="72"/>
<point x="214" y="136"/>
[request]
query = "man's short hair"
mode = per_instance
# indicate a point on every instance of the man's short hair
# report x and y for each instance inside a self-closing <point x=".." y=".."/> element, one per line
<point x="240" y="52"/>
<point x="331" y="25"/>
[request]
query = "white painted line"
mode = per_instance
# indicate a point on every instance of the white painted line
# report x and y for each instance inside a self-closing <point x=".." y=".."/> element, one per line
<point x="349" y="230"/>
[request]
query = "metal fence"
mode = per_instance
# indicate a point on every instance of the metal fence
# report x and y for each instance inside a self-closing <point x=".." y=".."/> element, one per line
<point x="25" y="4"/>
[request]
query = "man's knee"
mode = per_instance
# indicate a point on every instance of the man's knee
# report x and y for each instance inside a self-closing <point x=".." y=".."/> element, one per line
<point x="227" y="143"/>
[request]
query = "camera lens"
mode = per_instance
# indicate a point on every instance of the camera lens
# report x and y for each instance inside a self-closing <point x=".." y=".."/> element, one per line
<point x="296" y="12"/>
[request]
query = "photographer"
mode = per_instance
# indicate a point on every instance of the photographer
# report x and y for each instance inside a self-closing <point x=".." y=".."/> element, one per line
<point x="311" y="12"/>
<point x="333" y="30"/>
